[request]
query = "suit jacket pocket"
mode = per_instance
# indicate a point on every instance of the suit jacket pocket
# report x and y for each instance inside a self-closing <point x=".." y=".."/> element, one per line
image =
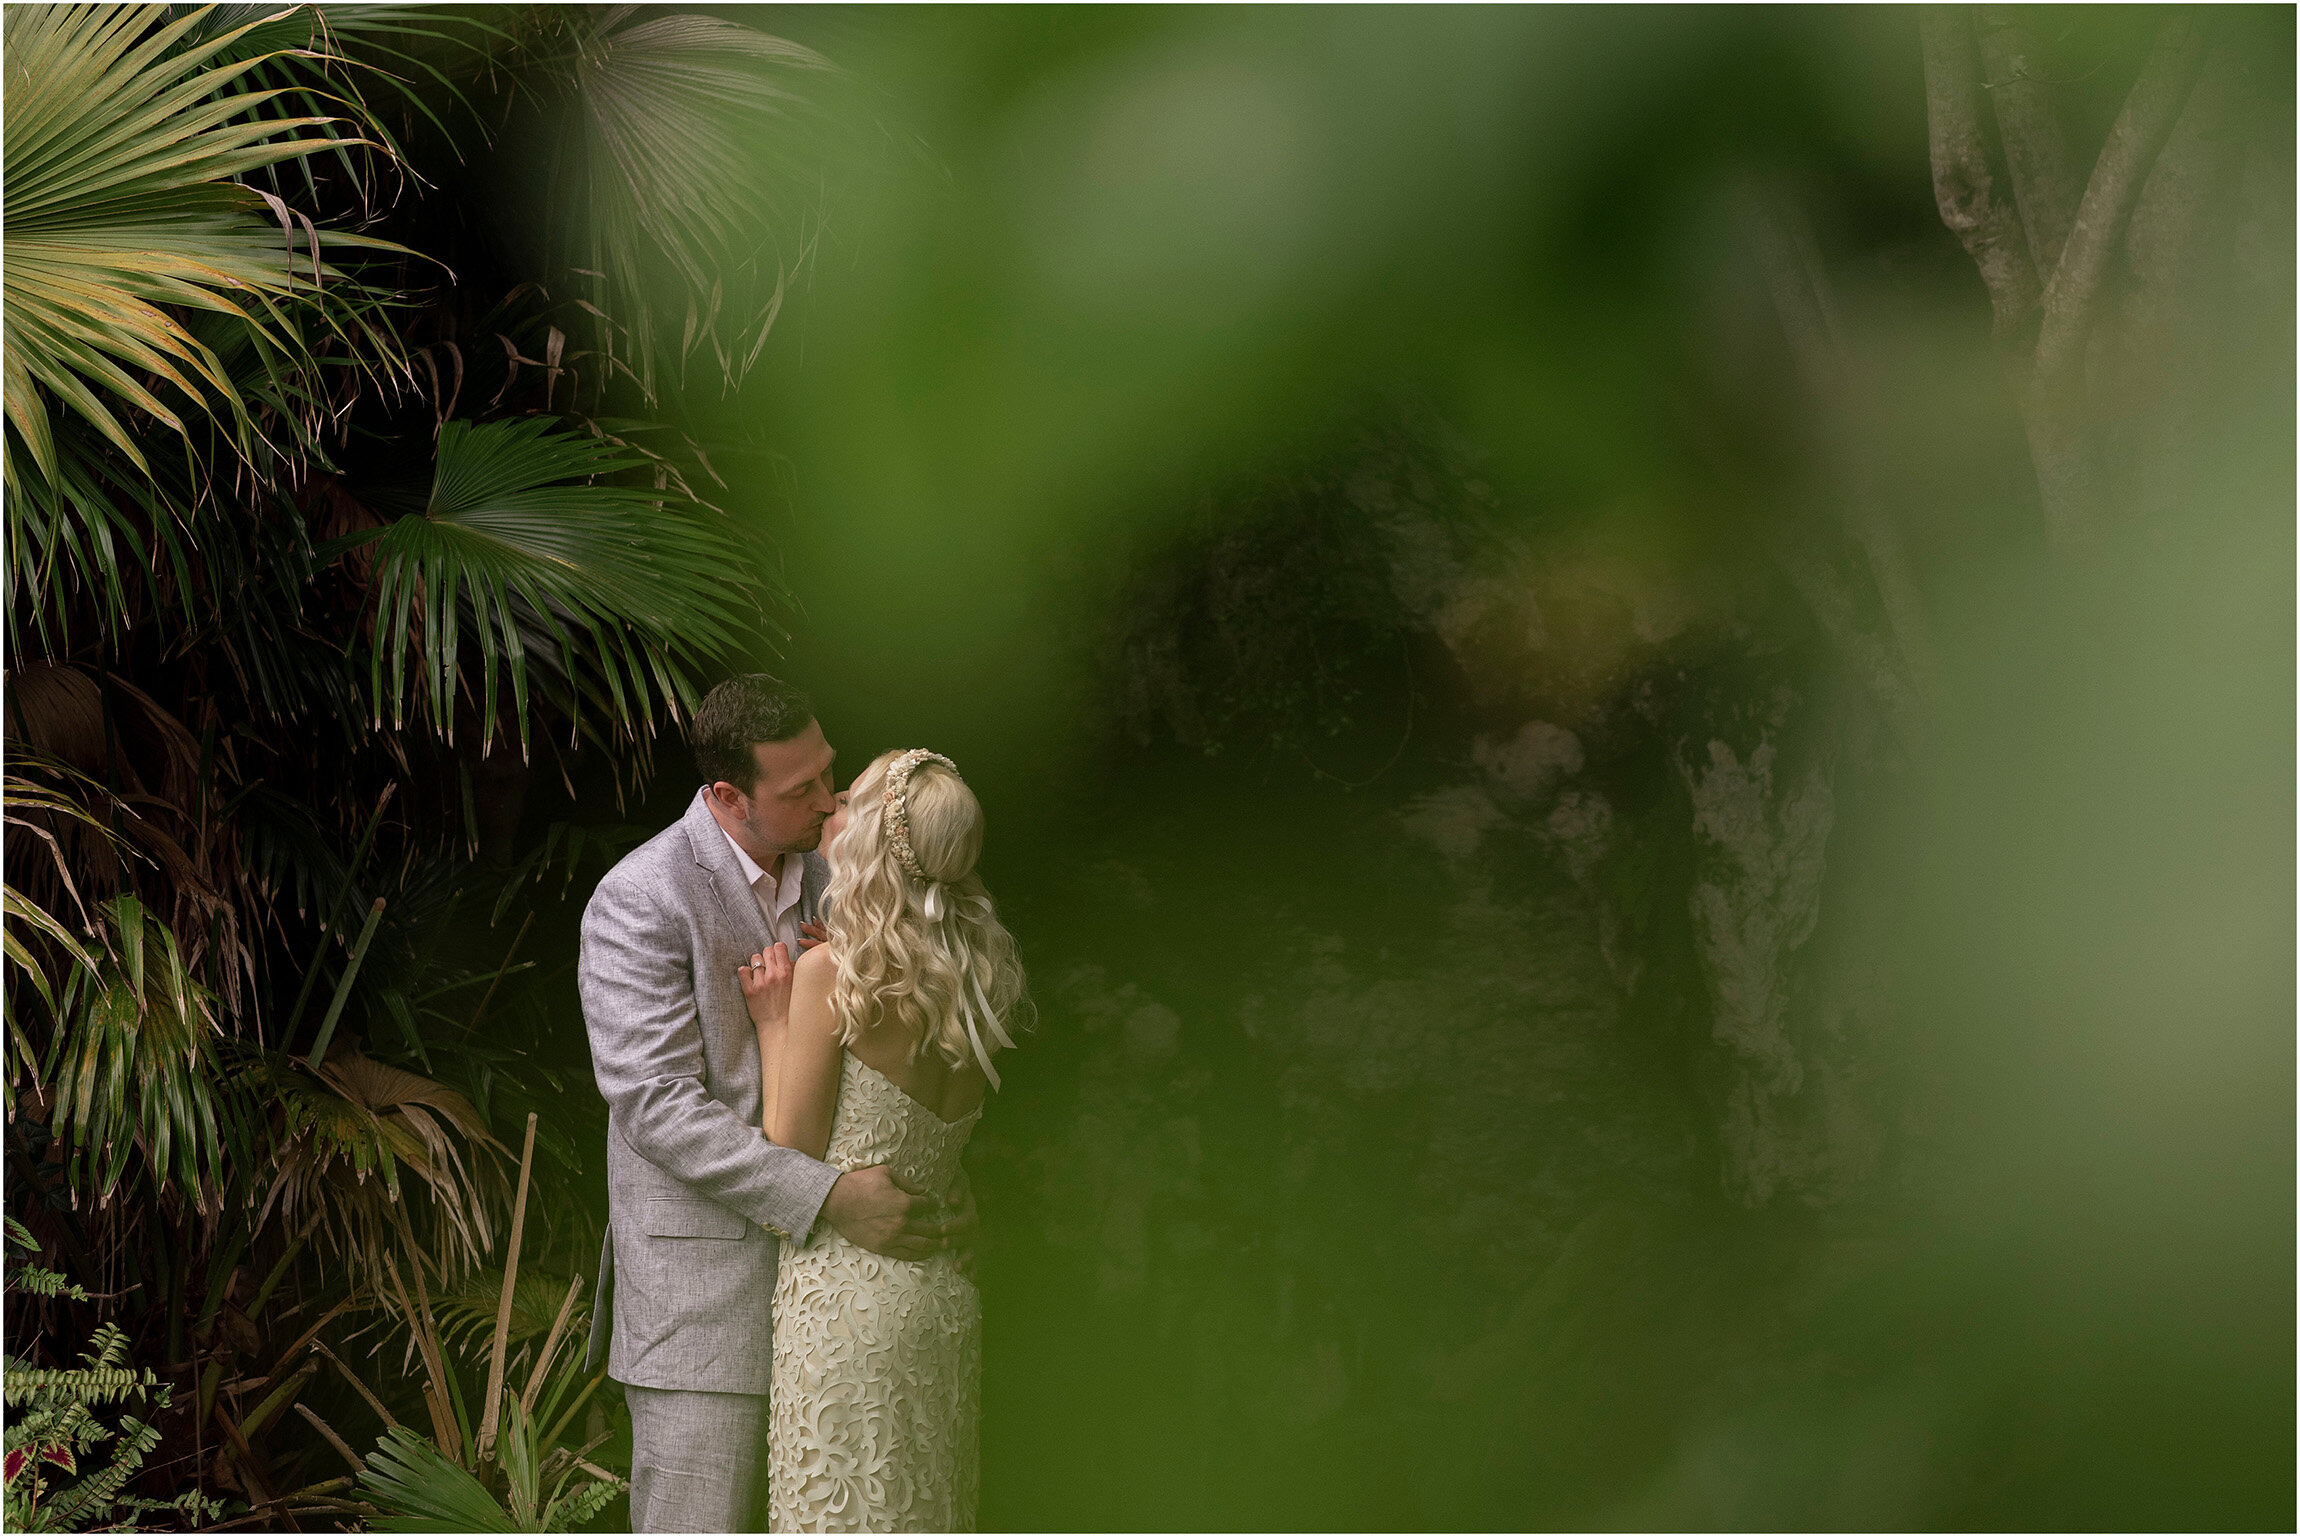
<point x="693" y="1219"/>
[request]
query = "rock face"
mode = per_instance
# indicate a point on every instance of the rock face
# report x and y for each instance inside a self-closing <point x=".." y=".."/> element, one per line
<point x="1764" y="837"/>
<point x="1526" y="771"/>
<point x="1653" y="670"/>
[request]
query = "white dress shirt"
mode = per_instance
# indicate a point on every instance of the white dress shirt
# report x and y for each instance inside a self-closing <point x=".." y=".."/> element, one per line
<point x="778" y="897"/>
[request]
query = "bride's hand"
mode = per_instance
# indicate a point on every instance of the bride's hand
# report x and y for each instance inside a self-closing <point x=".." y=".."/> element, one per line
<point x="767" y="987"/>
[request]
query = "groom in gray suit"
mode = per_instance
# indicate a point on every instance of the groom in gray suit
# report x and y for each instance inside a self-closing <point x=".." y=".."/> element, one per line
<point x="698" y="1200"/>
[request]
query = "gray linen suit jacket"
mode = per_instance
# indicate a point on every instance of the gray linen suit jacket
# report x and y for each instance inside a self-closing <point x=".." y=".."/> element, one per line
<point x="698" y="1199"/>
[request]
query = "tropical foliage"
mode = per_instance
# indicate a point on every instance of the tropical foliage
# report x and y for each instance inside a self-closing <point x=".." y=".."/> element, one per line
<point x="439" y="1484"/>
<point x="328" y="523"/>
<point x="53" y="1426"/>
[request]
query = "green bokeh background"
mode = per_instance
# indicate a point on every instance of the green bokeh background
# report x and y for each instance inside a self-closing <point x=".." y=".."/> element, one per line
<point x="1333" y="1192"/>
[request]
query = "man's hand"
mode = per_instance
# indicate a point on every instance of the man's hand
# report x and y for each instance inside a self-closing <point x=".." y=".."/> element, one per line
<point x="876" y="1211"/>
<point x="811" y="934"/>
<point x="959" y="1231"/>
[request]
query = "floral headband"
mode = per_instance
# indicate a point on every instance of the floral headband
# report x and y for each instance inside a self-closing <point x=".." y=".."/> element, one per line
<point x="897" y="799"/>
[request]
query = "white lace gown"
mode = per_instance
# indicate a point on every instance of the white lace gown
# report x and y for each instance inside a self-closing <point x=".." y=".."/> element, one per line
<point x="878" y="1362"/>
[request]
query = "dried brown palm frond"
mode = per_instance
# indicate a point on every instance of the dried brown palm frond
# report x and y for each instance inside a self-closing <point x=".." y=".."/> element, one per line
<point x="345" y="1146"/>
<point x="129" y="808"/>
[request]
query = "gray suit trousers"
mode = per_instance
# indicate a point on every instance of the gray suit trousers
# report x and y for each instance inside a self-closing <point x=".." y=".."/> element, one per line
<point x="698" y="1460"/>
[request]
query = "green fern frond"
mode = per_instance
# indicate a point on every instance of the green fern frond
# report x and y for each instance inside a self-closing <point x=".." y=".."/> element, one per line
<point x="99" y="1492"/>
<point x="103" y="1380"/>
<point x="46" y="1283"/>
<point x="35" y="1279"/>
<point x="94" y="1386"/>
<point x="578" y="1505"/>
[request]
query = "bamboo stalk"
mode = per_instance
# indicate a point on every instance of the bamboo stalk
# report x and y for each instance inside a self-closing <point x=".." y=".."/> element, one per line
<point x="568" y="1414"/>
<point x="445" y="1430"/>
<point x="258" y="1484"/>
<point x="500" y="973"/>
<point x="219" y="1281"/>
<point x="280" y="1363"/>
<point x="318" y="1053"/>
<point x="550" y="1347"/>
<point x="334" y="906"/>
<point x="492" y="1416"/>
<point x="334" y="1440"/>
<point x="272" y="1281"/>
<point x="279" y="1398"/>
<point x="354" y="1379"/>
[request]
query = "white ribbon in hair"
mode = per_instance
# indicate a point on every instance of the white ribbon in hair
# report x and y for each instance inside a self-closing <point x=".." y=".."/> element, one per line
<point x="980" y="1004"/>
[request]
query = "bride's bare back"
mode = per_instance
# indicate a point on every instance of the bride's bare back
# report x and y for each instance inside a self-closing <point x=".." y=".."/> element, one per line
<point x="953" y="1093"/>
<point x="806" y="1076"/>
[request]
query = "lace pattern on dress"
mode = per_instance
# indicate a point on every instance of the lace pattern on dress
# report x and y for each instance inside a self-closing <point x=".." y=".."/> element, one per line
<point x="878" y="1362"/>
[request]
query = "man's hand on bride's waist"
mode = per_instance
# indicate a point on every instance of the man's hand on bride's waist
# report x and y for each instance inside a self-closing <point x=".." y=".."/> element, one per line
<point x="873" y="1209"/>
<point x="959" y="1229"/>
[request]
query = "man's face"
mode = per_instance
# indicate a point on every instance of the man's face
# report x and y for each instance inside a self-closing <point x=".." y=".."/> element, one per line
<point x="784" y="811"/>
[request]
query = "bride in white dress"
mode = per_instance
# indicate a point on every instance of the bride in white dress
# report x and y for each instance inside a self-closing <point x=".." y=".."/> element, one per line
<point x="885" y="1057"/>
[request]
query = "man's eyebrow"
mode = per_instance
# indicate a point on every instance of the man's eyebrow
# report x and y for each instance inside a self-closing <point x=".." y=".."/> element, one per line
<point x="797" y="785"/>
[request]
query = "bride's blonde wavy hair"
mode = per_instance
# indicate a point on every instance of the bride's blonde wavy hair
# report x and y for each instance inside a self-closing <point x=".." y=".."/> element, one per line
<point x="929" y="955"/>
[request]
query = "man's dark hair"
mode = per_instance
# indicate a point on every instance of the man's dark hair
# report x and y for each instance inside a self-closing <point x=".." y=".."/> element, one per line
<point x="749" y="708"/>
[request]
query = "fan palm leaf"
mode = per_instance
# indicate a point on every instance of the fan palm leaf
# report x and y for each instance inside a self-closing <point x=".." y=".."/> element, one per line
<point x="151" y="298"/>
<point x="420" y="1489"/>
<point x="97" y="533"/>
<point x="609" y="594"/>
<point x="33" y="937"/>
<point x="344" y="1145"/>
<point x="121" y="149"/>
<point x="302" y="52"/>
<point x="683" y="119"/>
<point x="160" y="827"/>
<point x="466" y="1311"/>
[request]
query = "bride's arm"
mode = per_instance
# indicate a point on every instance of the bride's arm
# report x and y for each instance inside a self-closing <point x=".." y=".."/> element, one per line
<point x="809" y="1083"/>
<point x="767" y="998"/>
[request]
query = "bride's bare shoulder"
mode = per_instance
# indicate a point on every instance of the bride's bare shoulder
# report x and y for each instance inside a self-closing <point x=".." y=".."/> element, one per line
<point x="814" y="968"/>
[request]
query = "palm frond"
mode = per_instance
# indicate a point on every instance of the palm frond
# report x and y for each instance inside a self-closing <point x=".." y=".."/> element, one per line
<point x="119" y="543"/>
<point x="344" y="1145"/>
<point x="133" y="1066"/>
<point x="466" y="1310"/>
<point x="607" y="596"/>
<point x="686" y="182"/>
<point x="323" y="58"/>
<point x="35" y="940"/>
<point x="419" y="1489"/>
<point x="156" y="827"/>
<point x="121" y="149"/>
<point x="546" y="1486"/>
<point x="153" y="299"/>
<point x="565" y="849"/>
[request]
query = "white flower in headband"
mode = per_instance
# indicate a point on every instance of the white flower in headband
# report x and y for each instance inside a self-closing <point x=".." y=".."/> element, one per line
<point x="897" y="799"/>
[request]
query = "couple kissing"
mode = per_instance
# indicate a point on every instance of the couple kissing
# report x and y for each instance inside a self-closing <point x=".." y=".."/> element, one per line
<point x="793" y="998"/>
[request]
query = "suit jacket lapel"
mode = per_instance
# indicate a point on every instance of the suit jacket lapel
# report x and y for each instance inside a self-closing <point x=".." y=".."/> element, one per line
<point x="812" y="884"/>
<point x="736" y="903"/>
